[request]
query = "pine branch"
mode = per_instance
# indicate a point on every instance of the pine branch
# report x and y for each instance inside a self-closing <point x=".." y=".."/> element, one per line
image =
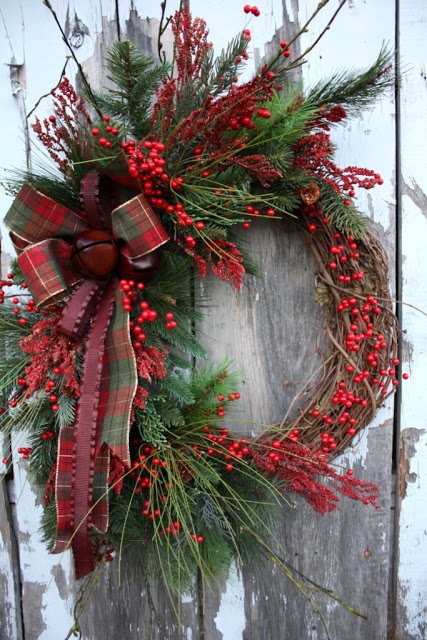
<point x="50" y="185"/>
<point x="354" y="90"/>
<point x="219" y="74"/>
<point x="135" y="76"/>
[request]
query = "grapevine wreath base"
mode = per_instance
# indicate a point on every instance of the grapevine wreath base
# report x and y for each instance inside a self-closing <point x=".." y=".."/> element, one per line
<point x="128" y="456"/>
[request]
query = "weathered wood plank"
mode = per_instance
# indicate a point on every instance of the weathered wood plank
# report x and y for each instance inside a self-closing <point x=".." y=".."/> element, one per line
<point x="48" y="591"/>
<point x="411" y="612"/>
<point x="135" y="612"/>
<point x="10" y="597"/>
<point x="266" y="329"/>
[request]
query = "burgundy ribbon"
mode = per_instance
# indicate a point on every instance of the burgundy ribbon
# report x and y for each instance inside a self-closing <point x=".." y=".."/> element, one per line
<point x="85" y="432"/>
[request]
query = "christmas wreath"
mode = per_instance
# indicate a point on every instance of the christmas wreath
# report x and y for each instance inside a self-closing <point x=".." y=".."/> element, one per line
<point x="129" y="444"/>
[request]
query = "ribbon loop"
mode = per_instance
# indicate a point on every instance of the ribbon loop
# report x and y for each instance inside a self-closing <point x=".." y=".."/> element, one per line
<point x="47" y="270"/>
<point x="136" y="225"/>
<point x="34" y="217"/>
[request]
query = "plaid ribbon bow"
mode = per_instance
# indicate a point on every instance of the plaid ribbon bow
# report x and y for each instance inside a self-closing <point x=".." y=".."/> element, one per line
<point x="43" y="232"/>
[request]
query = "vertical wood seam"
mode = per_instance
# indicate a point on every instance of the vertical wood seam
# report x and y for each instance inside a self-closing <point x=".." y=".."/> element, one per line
<point x="118" y="21"/>
<point x="14" y="551"/>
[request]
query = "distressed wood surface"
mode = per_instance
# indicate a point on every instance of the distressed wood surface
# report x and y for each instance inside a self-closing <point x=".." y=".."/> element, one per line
<point x="11" y="615"/>
<point x="272" y="330"/>
<point x="411" y="572"/>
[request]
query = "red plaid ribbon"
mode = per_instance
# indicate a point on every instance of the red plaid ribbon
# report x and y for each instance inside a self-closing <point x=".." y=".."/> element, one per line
<point x="45" y="231"/>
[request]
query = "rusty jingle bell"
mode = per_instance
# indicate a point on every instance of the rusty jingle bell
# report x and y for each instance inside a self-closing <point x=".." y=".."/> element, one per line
<point x="95" y="254"/>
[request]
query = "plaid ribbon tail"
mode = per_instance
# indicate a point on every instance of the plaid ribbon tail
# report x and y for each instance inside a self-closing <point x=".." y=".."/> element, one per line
<point x="102" y="426"/>
<point x="63" y="494"/>
<point x="118" y="384"/>
<point x="75" y="472"/>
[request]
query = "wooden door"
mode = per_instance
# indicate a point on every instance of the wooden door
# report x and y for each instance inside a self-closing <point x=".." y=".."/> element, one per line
<point x="375" y="560"/>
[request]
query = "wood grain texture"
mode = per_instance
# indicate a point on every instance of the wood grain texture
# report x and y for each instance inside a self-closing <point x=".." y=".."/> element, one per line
<point x="10" y="597"/>
<point x="133" y="612"/>
<point x="272" y="329"/>
<point x="411" y="596"/>
<point x="347" y="551"/>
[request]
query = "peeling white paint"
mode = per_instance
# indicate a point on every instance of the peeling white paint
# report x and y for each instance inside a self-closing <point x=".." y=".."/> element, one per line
<point x="230" y="619"/>
<point x="187" y="599"/>
<point x="413" y="541"/>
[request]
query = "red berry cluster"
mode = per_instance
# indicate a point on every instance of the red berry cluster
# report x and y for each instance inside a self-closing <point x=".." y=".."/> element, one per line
<point x="30" y="306"/>
<point x="5" y="283"/>
<point x="313" y="153"/>
<point x="132" y="300"/>
<point x="148" y="166"/>
<point x="24" y="452"/>
<point x="254" y="10"/>
<point x="302" y="467"/>
<point x="146" y="471"/>
<point x="109" y="130"/>
<point x="285" y="46"/>
<point x="368" y="369"/>
<point x="48" y="434"/>
<point x="60" y="133"/>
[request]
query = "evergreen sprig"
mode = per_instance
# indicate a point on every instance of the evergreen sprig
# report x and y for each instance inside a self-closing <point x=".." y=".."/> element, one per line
<point x="355" y="90"/>
<point x="134" y="76"/>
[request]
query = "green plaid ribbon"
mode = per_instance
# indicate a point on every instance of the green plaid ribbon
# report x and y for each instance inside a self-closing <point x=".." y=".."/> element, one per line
<point x="44" y="231"/>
